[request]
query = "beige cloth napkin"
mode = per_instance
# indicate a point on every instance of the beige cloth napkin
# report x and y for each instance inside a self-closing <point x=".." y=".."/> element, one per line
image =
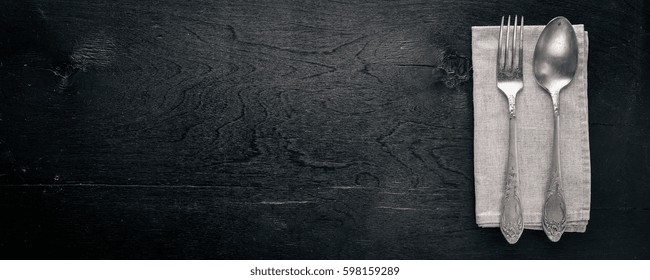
<point x="534" y="135"/>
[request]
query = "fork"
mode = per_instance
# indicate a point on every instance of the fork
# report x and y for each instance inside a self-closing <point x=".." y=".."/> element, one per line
<point x="510" y="82"/>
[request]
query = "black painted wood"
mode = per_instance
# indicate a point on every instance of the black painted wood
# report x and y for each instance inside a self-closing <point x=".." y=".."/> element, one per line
<point x="287" y="129"/>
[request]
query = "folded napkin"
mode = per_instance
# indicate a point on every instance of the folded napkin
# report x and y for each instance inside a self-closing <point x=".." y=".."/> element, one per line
<point x="534" y="135"/>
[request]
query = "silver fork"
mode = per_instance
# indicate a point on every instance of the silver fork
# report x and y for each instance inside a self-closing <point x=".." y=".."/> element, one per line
<point x="510" y="81"/>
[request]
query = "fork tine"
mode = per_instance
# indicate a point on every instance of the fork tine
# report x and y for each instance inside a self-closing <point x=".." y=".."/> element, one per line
<point x="499" y="45"/>
<point x="508" y="54"/>
<point x="514" y="56"/>
<point x="521" y="44"/>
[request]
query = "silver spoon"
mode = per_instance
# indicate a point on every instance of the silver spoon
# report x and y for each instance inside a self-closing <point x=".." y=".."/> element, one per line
<point x="555" y="62"/>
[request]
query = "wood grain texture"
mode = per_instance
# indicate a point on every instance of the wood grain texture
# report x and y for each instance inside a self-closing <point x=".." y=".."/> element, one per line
<point x="287" y="129"/>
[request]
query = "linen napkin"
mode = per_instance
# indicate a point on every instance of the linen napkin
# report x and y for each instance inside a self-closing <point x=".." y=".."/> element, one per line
<point x="534" y="135"/>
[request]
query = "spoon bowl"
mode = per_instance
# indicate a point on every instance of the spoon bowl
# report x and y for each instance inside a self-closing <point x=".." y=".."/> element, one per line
<point x="555" y="59"/>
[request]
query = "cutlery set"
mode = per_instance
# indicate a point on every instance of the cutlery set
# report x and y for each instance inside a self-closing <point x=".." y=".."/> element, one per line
<point x="555" y="63"/>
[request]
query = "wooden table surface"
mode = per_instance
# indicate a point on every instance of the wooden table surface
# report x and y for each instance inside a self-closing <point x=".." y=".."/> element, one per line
<point x="288" y="130"/>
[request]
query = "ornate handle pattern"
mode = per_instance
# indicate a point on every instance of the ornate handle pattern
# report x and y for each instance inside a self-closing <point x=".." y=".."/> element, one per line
<point x="554" y="212"/>
<point x="512" y="222"/>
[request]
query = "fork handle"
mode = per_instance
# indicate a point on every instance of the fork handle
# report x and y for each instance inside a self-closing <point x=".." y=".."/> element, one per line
<point x="512" y="222"/>
<point x="554" y="212"/>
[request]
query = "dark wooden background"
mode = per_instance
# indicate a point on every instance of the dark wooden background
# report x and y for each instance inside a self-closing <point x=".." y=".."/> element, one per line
<point x="288" y="130"/>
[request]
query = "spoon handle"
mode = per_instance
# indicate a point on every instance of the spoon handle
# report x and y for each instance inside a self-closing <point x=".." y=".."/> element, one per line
<point x="554" y="212"/>
<point x="512" y="222"/>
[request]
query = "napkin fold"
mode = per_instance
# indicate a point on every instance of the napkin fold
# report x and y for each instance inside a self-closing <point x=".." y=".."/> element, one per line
<point x="534" y="135"/>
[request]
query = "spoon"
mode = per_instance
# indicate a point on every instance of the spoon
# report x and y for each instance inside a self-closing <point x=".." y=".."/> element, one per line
<point x="554" y="63"/>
